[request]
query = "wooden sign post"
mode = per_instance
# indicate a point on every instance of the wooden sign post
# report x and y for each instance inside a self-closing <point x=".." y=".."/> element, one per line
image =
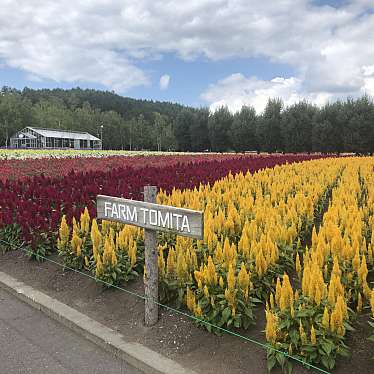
<point x="151" y="265"/>
<point x="152" y="217"/>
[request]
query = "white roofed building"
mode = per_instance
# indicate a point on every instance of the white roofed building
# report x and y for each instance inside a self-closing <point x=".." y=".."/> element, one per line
<point x="35" y="137"/>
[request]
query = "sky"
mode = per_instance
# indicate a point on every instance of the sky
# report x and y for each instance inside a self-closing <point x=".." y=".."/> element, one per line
<point x="196" y="52"/>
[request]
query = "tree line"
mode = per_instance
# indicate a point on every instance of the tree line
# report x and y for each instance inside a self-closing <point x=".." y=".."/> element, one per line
<point x="342" y="126"/>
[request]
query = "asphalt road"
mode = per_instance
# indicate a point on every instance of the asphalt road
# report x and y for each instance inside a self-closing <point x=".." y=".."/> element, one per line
<point x="32" y="343"/>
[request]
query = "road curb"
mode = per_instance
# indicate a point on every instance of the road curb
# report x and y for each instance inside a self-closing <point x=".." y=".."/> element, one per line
<point x="137" y="355"/>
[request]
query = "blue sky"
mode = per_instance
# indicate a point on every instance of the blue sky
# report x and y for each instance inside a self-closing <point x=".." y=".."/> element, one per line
<point x="187" y="78"/>
<point x="210" y="52"/>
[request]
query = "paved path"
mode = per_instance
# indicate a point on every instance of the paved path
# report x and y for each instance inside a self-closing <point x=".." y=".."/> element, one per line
<point x="32" y="343"/>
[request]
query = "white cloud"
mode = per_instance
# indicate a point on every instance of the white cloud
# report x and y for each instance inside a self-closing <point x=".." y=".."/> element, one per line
<point x="237" y="90"/>
<point x="164" y="81"/>
<point x="329" y="49"/>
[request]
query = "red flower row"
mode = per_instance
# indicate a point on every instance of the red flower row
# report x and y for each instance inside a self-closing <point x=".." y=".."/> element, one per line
<point x="57" y="167"/>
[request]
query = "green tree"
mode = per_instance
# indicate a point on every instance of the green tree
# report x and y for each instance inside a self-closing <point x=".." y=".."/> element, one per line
<point x="358" y="118"/>
<point x="52" y="113"/>
<point x="321" y="136"/>
<point x="160" y="126"/>
<point x="243" y="129"/>
<point x="182" y="129"/>
<point x="269" y="129"/>
<point x="219" y="127"/>
<point x="297" y="127"/>
<point x="199" y="130"/>
<point x="14" y="114"/>
<point x="331" y="118"/>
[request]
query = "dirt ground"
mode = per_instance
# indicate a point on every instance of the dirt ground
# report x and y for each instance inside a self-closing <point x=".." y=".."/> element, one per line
<point x="174" y="336"/>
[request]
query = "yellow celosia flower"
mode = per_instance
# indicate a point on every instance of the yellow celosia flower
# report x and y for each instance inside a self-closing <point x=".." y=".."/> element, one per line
<point x="221" y="283"/>
<point x="278" y="291"/>
<point x="271" y="327"/>
<point x="359" y="303"/>
<point x="170" y="262"/>
<point x="211" y="276"/>
<point x="85" y="221"/>
<point x="230" y="297"/>
<point x="326" y="319"/>
<point x="303" y="337"/>
<point x="161" y="261"/>
<point x="287" y="296"/>
<point x="231" y="278"/>
<point x="96" y="238"/>
<point x="298" y="265"/>
<point x="206" y="291"/>
<point x="99" y="266"/>
<point x="356" y="261"/>
<point x="218" y="253"/>
<point x="64" y="234"/>
<point x="243" y="277"/>
<point x="363" y="271"/>
<point x="198" y="311"/>
<point x="76" y="243"/>
<point x="272" y="305"/>
<point x="313" y="338"/>
<point x="337" y="317"/>
<point x="114" y="258"/>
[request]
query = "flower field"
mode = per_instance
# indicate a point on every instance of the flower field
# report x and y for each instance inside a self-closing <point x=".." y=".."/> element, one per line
<point x="33" y="206"/>
<point x="296" y="240"/>
<point x="21" y="154"/>
<point x="289" y="234"/>
<point x="57" y="166"/>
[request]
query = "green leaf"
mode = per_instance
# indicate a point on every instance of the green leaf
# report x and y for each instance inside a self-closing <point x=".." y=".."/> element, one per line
<point x="289" y="367"/>
<point x="226" y="313"/>
<point x="284" y="324"/>
<point x="348" y="327"/>
<point x="325" y="362"/>
<point x="344" y="352"/>
<point x="281" y="359"/>
<point x="255" y="300"/>
<point x="327" y="347"/>
<point x="309" y="348"/>
<point x="248" y="312"/>
<point x="331" y="362"/>
<point x="271" y="361"/>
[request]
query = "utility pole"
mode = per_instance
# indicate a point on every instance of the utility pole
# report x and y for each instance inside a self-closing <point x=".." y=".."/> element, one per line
<point x="6" y="134"/>
<point x="101" y="132"/>
<point x="131" y="123"/>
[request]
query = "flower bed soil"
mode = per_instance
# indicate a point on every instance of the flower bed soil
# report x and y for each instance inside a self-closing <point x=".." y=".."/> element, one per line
<point x="174" y="336"/>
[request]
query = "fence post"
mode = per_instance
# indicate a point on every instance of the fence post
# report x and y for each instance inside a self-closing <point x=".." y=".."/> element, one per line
<point x="151" y="265"/>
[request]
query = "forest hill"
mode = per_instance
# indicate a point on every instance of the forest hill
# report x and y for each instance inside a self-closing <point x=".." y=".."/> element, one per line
<point x="341" y="126"/>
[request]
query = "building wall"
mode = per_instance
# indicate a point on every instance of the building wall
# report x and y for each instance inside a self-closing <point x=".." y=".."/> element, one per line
<point x="42" y="142"/>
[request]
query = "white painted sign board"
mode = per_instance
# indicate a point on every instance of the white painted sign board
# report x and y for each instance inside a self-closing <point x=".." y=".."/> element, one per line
<point x="185" y="222"/>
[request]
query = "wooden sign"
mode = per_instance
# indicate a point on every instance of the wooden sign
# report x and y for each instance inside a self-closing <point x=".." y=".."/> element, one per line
<point x="151" y="216"/>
